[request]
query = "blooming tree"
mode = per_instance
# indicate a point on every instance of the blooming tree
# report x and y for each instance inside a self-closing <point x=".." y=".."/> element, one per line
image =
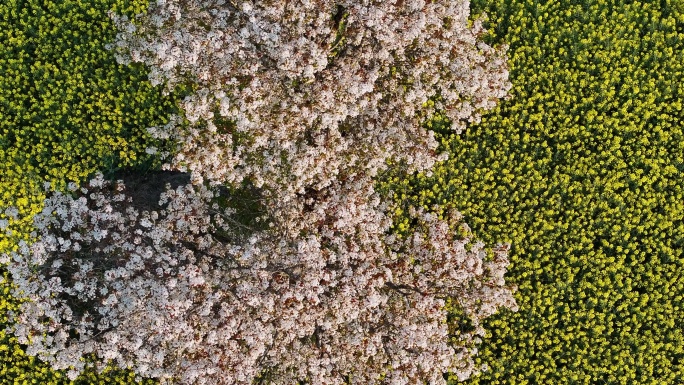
<point x="307" y="102"/>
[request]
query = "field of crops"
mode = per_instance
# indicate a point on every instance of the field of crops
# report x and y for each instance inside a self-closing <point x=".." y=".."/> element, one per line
<point x="581" y="170"/>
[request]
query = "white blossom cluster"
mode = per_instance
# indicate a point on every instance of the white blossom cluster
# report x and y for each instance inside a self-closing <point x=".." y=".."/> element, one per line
<point x="291" y="92"/>
<point x="307" y="101"/>
<point x="176" y="294"/>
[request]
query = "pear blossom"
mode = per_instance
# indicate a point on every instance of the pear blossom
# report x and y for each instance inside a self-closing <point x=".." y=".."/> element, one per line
<point x="219" y="307"/>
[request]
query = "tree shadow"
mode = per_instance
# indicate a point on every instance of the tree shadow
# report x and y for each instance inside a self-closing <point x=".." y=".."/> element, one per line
<point x="146" y="187"/>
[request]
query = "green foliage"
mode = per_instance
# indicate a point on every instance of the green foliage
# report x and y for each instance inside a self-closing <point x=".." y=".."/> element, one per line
<point x="582" y="171"/>
<point x="67" y="109"/>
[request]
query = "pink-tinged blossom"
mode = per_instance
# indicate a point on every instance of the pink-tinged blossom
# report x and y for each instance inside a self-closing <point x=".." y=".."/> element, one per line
<point x="303" y="88"/>
<point x="218" y="307"/>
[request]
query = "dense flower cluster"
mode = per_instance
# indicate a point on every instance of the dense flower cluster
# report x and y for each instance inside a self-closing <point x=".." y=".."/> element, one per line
<point x="307" y="102"/>
<point x="177" y="292"/>
<point x="289" y="93"/>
